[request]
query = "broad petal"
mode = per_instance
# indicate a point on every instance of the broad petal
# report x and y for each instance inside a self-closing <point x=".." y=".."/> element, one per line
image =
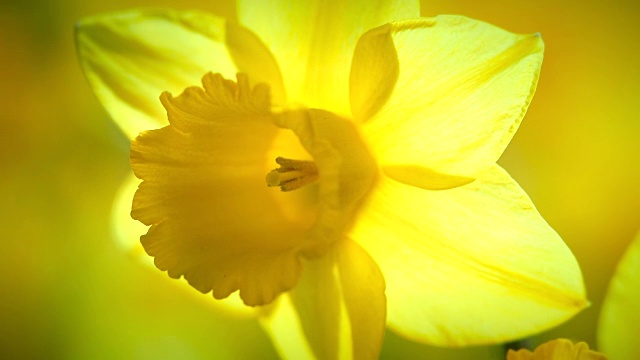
<point x="620" y="316"/>
<point x="446" y="94"/>
<point x="338" y="304"/>
<point x="213" y="220"/>
<point x="313" y="42"/>
<point x="131" y="57"/>
<point x="471" y="265"/>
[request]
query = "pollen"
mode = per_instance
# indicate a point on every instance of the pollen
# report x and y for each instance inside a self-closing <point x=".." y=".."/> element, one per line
<point x="292" y="174"/>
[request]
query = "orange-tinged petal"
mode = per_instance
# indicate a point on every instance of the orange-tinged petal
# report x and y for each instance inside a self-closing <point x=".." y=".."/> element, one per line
<point x="313" y="42"/>
<point x="445" y="94"/>
<point x="560" y="349"/>
<point x="471" y="265"/>
<point x="620" y="317"/>
<point x="212" y="218"/>
<point x="131" y="57"/>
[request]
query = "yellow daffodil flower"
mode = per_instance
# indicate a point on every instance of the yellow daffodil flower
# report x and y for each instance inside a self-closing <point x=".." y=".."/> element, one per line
<point x="560" y="349"/>
<point x="619" y="325"/>
<point x="383" y="135"/>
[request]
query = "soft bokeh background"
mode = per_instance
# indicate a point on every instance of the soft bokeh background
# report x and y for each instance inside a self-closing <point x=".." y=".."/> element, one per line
<point x="67" y="292"/>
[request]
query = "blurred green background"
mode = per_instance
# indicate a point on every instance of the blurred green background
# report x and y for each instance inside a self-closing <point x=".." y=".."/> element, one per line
<point x="67" y="292"/>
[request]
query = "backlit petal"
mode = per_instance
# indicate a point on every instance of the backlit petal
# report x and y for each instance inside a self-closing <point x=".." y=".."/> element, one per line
<point x="130" y="58"/>
<point x="313" y="42"/>
<point x="318" y="303"/>
<point x="560" y="349"/>
<point x="620" y="317"/>
<point x="445" y="93"/>
<point x="471" y="265"/>
<point x="281" y="322"/>
<point x="363" y="289"/>
<point x="339" y="305"/>
<point x="212" y="218"/>
<point x="126" y="230"/>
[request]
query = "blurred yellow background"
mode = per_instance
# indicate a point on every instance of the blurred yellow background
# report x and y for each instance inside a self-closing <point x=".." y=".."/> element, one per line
<point x="67" y="292"/>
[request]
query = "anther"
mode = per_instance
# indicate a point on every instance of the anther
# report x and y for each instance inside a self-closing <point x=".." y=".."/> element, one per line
<point x="292" y="174"/>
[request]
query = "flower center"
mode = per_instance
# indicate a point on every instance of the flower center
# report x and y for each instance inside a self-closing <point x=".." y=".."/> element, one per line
<point x="292" y="174"/>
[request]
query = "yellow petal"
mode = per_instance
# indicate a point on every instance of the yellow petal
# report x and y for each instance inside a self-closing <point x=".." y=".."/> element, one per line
<point x="363" y="289"/>
<point x="313" y="42"/>
<point x="423" y="177"/>
<point x="213" y="220"/>
<point x="281" y="322"/>
<point x="620" y="317"/>
<point x="130" y="58"/>
<point x="339" y="306"/>
<point x="560" y="349"/>
<point x="457" y="95"/>
<point x="126" y="231"/>
<point x="318" y="303"/>
<point x="472" y="265"/>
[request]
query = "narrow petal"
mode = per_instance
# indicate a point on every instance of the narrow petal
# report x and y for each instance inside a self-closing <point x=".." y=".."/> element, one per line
<point x="131" y="57"/>
<point x="314" y="42"/>
<point x="281" y="322"/>
<point x="318" y="303"/>
<point x="471" y="265"/>
<point x="363" y="289"/>
<point x="446" y="94"/>
<point x="338" y="304"/>
<point x="620" y="316"/>
<point x="126" y="231"/>
<point x="559" y="349"/>
<point x="213" y="220"/>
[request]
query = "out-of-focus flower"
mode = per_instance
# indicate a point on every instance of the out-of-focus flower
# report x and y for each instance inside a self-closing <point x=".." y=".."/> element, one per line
<point x="387" y="141"/>
<point x="619" y="319"/>
<point x="620" y="316"/>
<point x="560" y="349"/>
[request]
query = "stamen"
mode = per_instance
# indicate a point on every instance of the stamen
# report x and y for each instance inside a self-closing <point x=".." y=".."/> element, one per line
<point x="292" y="174"/>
